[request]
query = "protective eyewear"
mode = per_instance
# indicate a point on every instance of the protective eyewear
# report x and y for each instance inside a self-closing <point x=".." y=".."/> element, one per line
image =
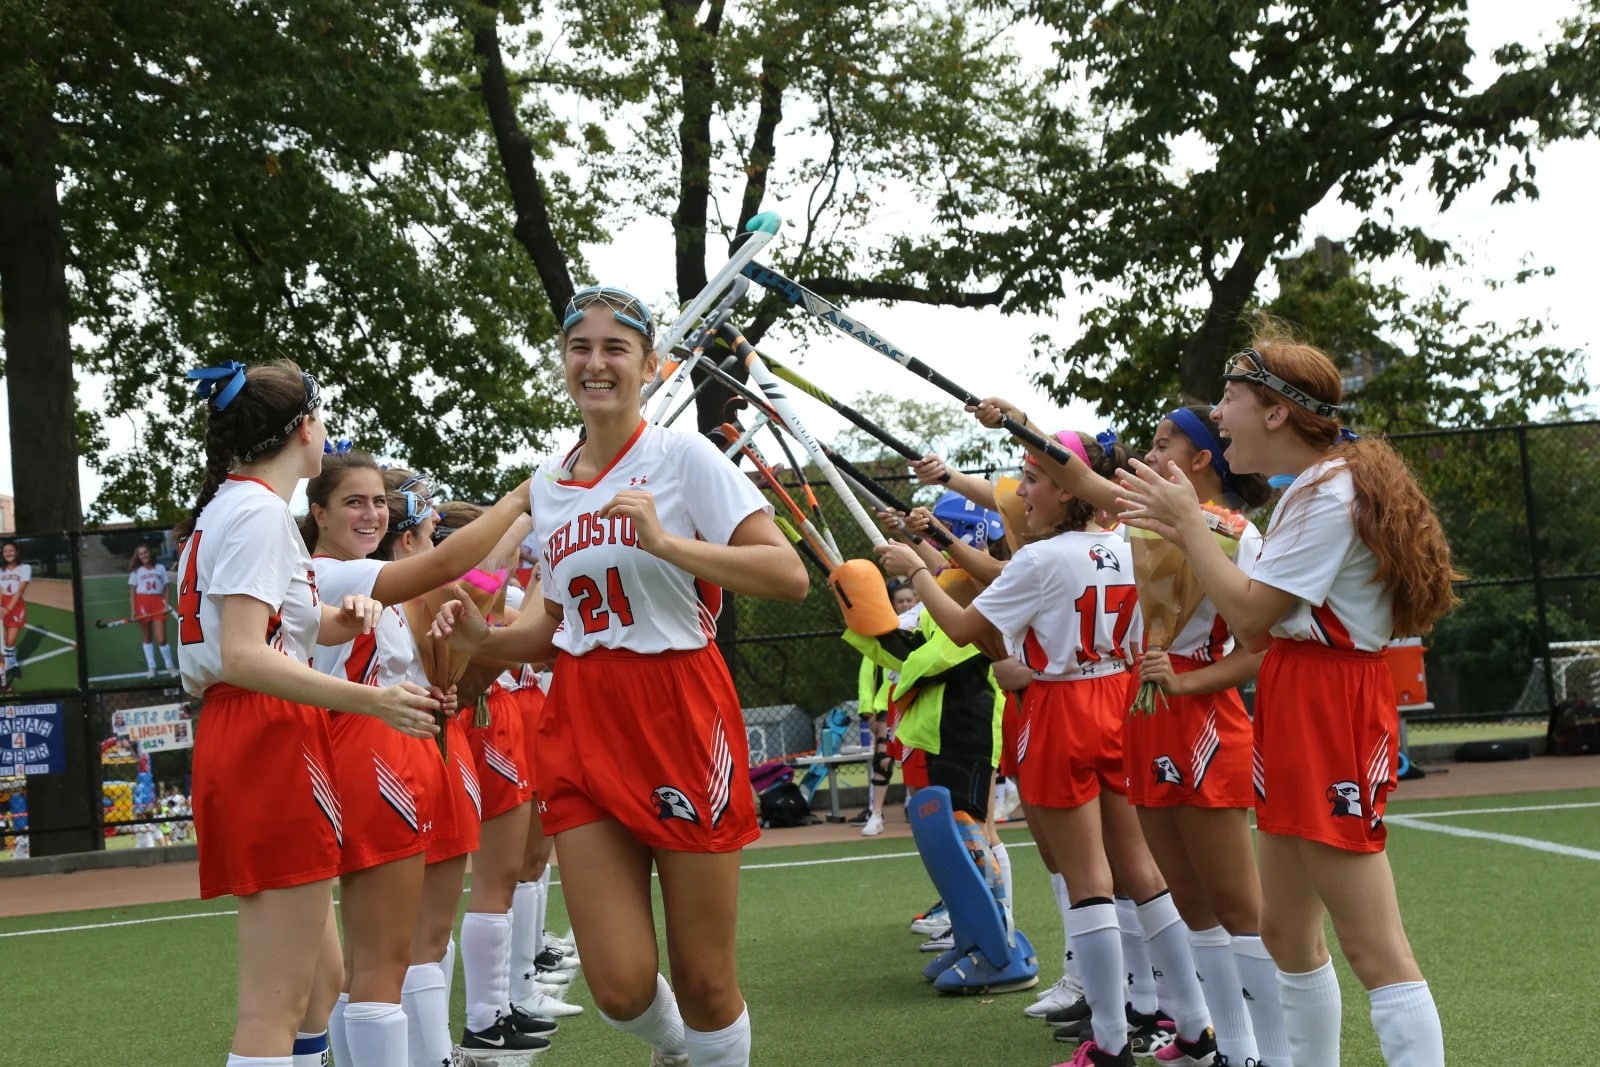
<point x="625" y="308"/>
<point x="418" y="508"/>
<point x="1258" y="374"/>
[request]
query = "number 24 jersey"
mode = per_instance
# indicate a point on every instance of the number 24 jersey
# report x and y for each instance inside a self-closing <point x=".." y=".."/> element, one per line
<point x="612" y="593"/>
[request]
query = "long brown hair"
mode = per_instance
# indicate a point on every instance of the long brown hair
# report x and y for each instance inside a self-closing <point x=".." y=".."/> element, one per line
<point x="325" y="486"/>
<point x="273" y="394"/>
<point x="1393" y="517"/>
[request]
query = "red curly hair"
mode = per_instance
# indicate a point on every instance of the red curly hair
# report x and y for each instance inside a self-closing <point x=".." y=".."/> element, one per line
<point x="1393" y="517"/>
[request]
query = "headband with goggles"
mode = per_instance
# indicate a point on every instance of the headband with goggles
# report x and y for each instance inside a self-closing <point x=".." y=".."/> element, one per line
<point x="625" y="308"/>
<point x="418" y="508"/>
<point x="1258" y="374"/>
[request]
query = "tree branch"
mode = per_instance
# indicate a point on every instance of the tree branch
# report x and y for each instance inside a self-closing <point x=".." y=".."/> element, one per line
<point x="763" y="150"/>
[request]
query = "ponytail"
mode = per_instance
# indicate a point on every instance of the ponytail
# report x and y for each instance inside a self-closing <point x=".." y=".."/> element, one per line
<point x="219" y="460"/>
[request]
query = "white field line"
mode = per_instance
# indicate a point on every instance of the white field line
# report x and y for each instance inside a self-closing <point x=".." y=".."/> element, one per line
<point x="1493" y="811"/>
<point x="1505" y="839"/>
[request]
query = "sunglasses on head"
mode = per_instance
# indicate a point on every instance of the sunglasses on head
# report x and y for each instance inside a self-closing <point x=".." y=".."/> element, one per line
<point x="625" y="308"/>
<point x="418" y="508"/>
<point x="1249" y="366"/>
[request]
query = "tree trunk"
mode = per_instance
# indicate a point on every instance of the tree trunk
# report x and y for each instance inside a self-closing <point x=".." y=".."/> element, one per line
<point x="532" y="229"/>
<point x="1205" y="353"/>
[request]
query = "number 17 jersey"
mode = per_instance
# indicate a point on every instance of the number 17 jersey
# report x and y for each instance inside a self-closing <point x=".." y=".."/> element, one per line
<point x="614" y="594"/>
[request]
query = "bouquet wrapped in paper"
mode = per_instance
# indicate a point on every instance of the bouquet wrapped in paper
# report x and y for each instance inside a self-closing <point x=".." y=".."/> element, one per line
<point x="443" y="665"/>
<point x="1169" y="592"/>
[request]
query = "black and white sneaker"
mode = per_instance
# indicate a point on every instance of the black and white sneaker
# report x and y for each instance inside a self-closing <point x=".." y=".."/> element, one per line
<point x="1074" y="1015"/>
<point x="502" y="1039"/>
<point x="525" y="1022"/>
<point x="554" y="959"/>
<point x="1149" y="1034"/>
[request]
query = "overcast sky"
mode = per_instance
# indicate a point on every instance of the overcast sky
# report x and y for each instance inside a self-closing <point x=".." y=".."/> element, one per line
<point x="986" y="351"/>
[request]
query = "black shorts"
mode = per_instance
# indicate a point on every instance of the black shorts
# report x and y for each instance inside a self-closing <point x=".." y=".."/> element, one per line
<point x="968" y="782"/>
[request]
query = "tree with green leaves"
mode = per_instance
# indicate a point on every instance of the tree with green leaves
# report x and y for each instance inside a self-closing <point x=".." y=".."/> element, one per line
<point x="1214" y="126"/>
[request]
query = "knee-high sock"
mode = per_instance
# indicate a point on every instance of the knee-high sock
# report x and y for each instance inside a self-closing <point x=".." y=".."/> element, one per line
<point x="659" y="1026"/>
<point x="544" y="906"/>
<point x="1312" y="1013"/>
<point x="1069" y="966"/>
<point x="1260" y="978"/>
<point x="1407" y="1021"/>
<point x="1166" y="938"/>
<point x="1224" y="993"/>
<point x="310" y="1050"/>
<point x="485" y="950"/>
<point x="1097" y="944"/>
<point x="236" y="1060"/>
<point x="728" y="1047"/>
<point x="427" y="1016"/>
<point x="166" y="655"/>
<point x="524" y="938"/>
<point x="1141" y="974"/>
<point x="336" y="1038"/>
<point x="447" y="964"/>
<point x="376" y="1033"/>
<point x="1002" y="856"/>
<point x="988" y="865"/>
<point x="149" y="656"/>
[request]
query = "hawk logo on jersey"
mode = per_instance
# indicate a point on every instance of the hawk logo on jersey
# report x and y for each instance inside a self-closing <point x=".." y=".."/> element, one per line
<point x="672" y="804"/>
<point x="1103" y="558"/>
<point x="1346" y="798"/>
<point x="1167" y="772"/>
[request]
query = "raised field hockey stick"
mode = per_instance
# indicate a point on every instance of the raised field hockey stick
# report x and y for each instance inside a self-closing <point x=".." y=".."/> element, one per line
<point x="830" y="313"/>
<point x="802" y="544"/>
<point x="106" y="624"/>
<point x="681" y="361"/>
<point x="772" y="388"/>
<point x="851" y="414"/>
<point x="813" y="536"/>
<point x="759" y="232"/>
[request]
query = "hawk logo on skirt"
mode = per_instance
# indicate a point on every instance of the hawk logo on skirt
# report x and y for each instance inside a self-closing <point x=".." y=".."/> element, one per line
<point x="672" y="804"/>
<point x="1166" y="771"/>
<point x="1346" y="798"/>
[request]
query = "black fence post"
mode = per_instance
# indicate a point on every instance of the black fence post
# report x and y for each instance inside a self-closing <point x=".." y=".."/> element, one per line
<point x="1535" y="559"/>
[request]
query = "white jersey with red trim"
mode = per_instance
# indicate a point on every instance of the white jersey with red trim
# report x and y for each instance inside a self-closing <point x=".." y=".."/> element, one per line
<point x="149" y="581"/>
<point x="12" y="579"/>
<point x="244" y="544"/>
<point x="1313" y="552"/>
<point x="613" y="594"/>
<point x="1206" y="637"/>
<point x="1068" y="605"/>
<point x="511" y="681"/>
<point x="387" y="655"/>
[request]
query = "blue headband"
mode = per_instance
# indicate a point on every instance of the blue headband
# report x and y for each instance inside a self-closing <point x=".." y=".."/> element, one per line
<point x="218" y="384"/>
<point x="1201" y="435"/>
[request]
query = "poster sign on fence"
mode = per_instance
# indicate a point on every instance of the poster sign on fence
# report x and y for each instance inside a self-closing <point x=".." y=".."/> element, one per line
<point x="35" y="741"/>
<point x="159" y="728"/>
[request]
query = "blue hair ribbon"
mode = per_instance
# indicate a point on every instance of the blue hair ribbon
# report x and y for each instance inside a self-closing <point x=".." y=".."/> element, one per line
<point x="1107" y="439"/>
<point x="219" y="385"/>
<point x="1347" y="434"/>
<point x="337" y="448"/>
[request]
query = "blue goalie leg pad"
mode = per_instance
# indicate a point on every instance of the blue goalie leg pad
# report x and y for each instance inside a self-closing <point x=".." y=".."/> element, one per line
<point x="973" y="973"/>
<point x="975" y="919"/>
<point x="942" y="962"/>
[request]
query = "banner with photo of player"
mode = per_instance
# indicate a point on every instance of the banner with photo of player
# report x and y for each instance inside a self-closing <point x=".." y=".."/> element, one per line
<point x="158" y="728"/>
<point x="129" y="600"/>
<point x="37" y="619"/>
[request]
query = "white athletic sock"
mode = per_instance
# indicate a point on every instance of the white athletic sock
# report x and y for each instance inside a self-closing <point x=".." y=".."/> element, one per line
<point x="524" y="938"/>
<point x="659" y="1026"/>
<point x="1069" y="966"/>
<point x="1002" y="856"/>
<point x="447" y="964"/>
<point x="1098" y="948"/>
<point x="728" y="1047"/>
<point x="11" y="655"/>
<point x="427" y="1015"/>
<point x="1166" y="938"/>
<point x="1312" y="1013"/>
<point x="336" y="1032"/>
<point x="543" y="900"/>
<point x="1259" y="976"/>
<point x="485" y="950"/>
<point x="311" y="1050"/>
<point x="236" y="1060"/>
<point x="1224" y="993"/>
<point x="376" y="1033"/>
<point x="166" y="655"/>
<point x="150" y="656"/>
<point x="1407" y="1021"/>
<point x="1141" y="973"/>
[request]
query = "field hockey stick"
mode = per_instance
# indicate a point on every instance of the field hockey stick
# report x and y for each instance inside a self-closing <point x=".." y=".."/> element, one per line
<point x="759" y="232"/>
<point x="851" y="414"/>
<point x="106" y="624"/>
<point x="772" y="388"/>
<point x="802" y="544"/>
<point x="830" y="313"/>
<point x="679" y="369"/>
<point x="746" y="443"/>
<point x="829" y="554"/>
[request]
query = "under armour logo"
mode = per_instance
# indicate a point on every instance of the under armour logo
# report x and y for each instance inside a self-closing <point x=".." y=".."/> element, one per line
<point x="640" y="480"/>
<point x="1247" y="995"/>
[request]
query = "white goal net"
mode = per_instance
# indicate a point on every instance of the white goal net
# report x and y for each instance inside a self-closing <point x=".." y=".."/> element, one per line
<point x="1575" y="669"/>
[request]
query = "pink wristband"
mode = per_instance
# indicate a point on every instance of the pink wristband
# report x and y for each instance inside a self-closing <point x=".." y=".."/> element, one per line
<point x="489" y="583"/>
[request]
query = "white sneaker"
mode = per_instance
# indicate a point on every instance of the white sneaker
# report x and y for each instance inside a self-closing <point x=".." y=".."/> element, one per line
<point x="565" y="944"/>
<point x="555" y="978"/>
<point x="1063" y="994"/>
<point x="668" y="1059"/>
<point x="939" y="942"/>
<point x="874" y="825"/>
<point x="544" y="1006"/>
